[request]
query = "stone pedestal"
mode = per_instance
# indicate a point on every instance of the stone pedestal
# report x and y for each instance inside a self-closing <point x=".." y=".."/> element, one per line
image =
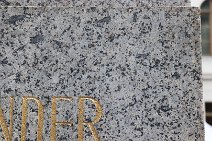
<point x="108" y="71"/>
<point x="89" y="3"/>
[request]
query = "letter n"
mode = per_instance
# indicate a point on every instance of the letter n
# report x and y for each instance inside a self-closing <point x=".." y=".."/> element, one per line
<point x="7" y="134"/>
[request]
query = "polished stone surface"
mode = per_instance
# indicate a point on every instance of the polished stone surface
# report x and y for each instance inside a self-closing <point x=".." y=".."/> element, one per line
<point x="142" y="64"/>
<point x="105" y="3"/>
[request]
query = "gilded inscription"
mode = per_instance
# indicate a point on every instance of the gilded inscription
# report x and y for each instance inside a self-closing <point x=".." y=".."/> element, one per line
<point x="54" y="116"/>
<point x="25" y="100"/>
<point x="8" y="131"/>
<point x="81" y="119"/>
<point x="7" y="134"/>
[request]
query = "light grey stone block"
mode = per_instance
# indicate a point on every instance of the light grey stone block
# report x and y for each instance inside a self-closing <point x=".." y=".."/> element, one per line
<point x="142" y="64"/>
<point x="108" y="3"/>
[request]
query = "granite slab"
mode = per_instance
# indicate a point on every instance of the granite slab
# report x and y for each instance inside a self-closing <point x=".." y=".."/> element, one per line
<point x="143" y="65"/>
<point x="105" y="3"/>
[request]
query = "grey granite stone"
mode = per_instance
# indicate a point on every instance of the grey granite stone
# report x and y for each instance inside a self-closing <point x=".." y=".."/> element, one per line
<point x="142" y="64"/>
<point x="109" y="3"/>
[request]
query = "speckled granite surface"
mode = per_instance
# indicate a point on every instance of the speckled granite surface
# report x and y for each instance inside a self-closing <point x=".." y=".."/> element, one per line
<point x="142" y="64"/>
<point x="105" y="3"/>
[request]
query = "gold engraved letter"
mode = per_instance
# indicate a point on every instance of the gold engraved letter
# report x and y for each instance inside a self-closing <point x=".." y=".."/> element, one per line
<point x="82" y="122"/>
<point x="7" y="134"/>
<point x="54" y="116"/>
<point x="25" y="100"/>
